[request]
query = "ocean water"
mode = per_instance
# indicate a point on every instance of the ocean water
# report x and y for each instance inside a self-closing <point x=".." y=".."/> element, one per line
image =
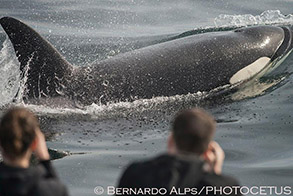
<point x="92" y="145"/>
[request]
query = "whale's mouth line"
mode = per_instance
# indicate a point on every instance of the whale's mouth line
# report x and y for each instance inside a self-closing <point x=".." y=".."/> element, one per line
<point x="273" y="65"/>
<point x="285" y="46"/>
<point x="263" y="65"/>
<point x="253" y="87"/>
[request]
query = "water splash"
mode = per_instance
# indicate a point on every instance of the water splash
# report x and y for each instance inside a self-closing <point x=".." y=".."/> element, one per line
<point x="138" y="108"/>
<point x="9" y="73"/>
<point x="265" y="18"/>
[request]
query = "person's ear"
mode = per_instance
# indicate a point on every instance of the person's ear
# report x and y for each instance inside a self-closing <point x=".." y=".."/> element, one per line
<point x="34" y="144"/>
<point x="209" y="155"/>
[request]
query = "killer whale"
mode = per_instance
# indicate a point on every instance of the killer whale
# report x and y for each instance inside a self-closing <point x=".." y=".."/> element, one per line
<point x="189" y="64"/>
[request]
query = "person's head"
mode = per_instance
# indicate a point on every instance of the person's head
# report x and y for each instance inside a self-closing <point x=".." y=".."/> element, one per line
<point x="17" y="133"/>
<point x="192" y="131"/>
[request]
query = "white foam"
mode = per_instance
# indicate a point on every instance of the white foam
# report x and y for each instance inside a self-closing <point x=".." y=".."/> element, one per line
<point x="120" y="109"/>
<point x="266" y="18"/>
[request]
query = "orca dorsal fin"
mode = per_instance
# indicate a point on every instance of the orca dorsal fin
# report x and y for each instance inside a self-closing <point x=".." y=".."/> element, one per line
<point x="42" y="64"/>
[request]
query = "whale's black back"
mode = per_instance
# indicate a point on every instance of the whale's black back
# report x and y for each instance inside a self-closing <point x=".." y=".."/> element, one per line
<point x="185" y="65"/>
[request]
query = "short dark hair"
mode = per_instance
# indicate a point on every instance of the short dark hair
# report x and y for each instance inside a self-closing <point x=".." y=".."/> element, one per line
<point x="193" y="129"/>
<point x="17" y="131"/>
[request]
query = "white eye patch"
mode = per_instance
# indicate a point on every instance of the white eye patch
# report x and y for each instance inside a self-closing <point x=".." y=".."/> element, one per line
<point x="250" y="70"/>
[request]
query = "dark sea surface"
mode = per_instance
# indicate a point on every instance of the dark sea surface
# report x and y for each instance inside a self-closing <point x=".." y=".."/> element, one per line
<point x="93" y="144"/>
